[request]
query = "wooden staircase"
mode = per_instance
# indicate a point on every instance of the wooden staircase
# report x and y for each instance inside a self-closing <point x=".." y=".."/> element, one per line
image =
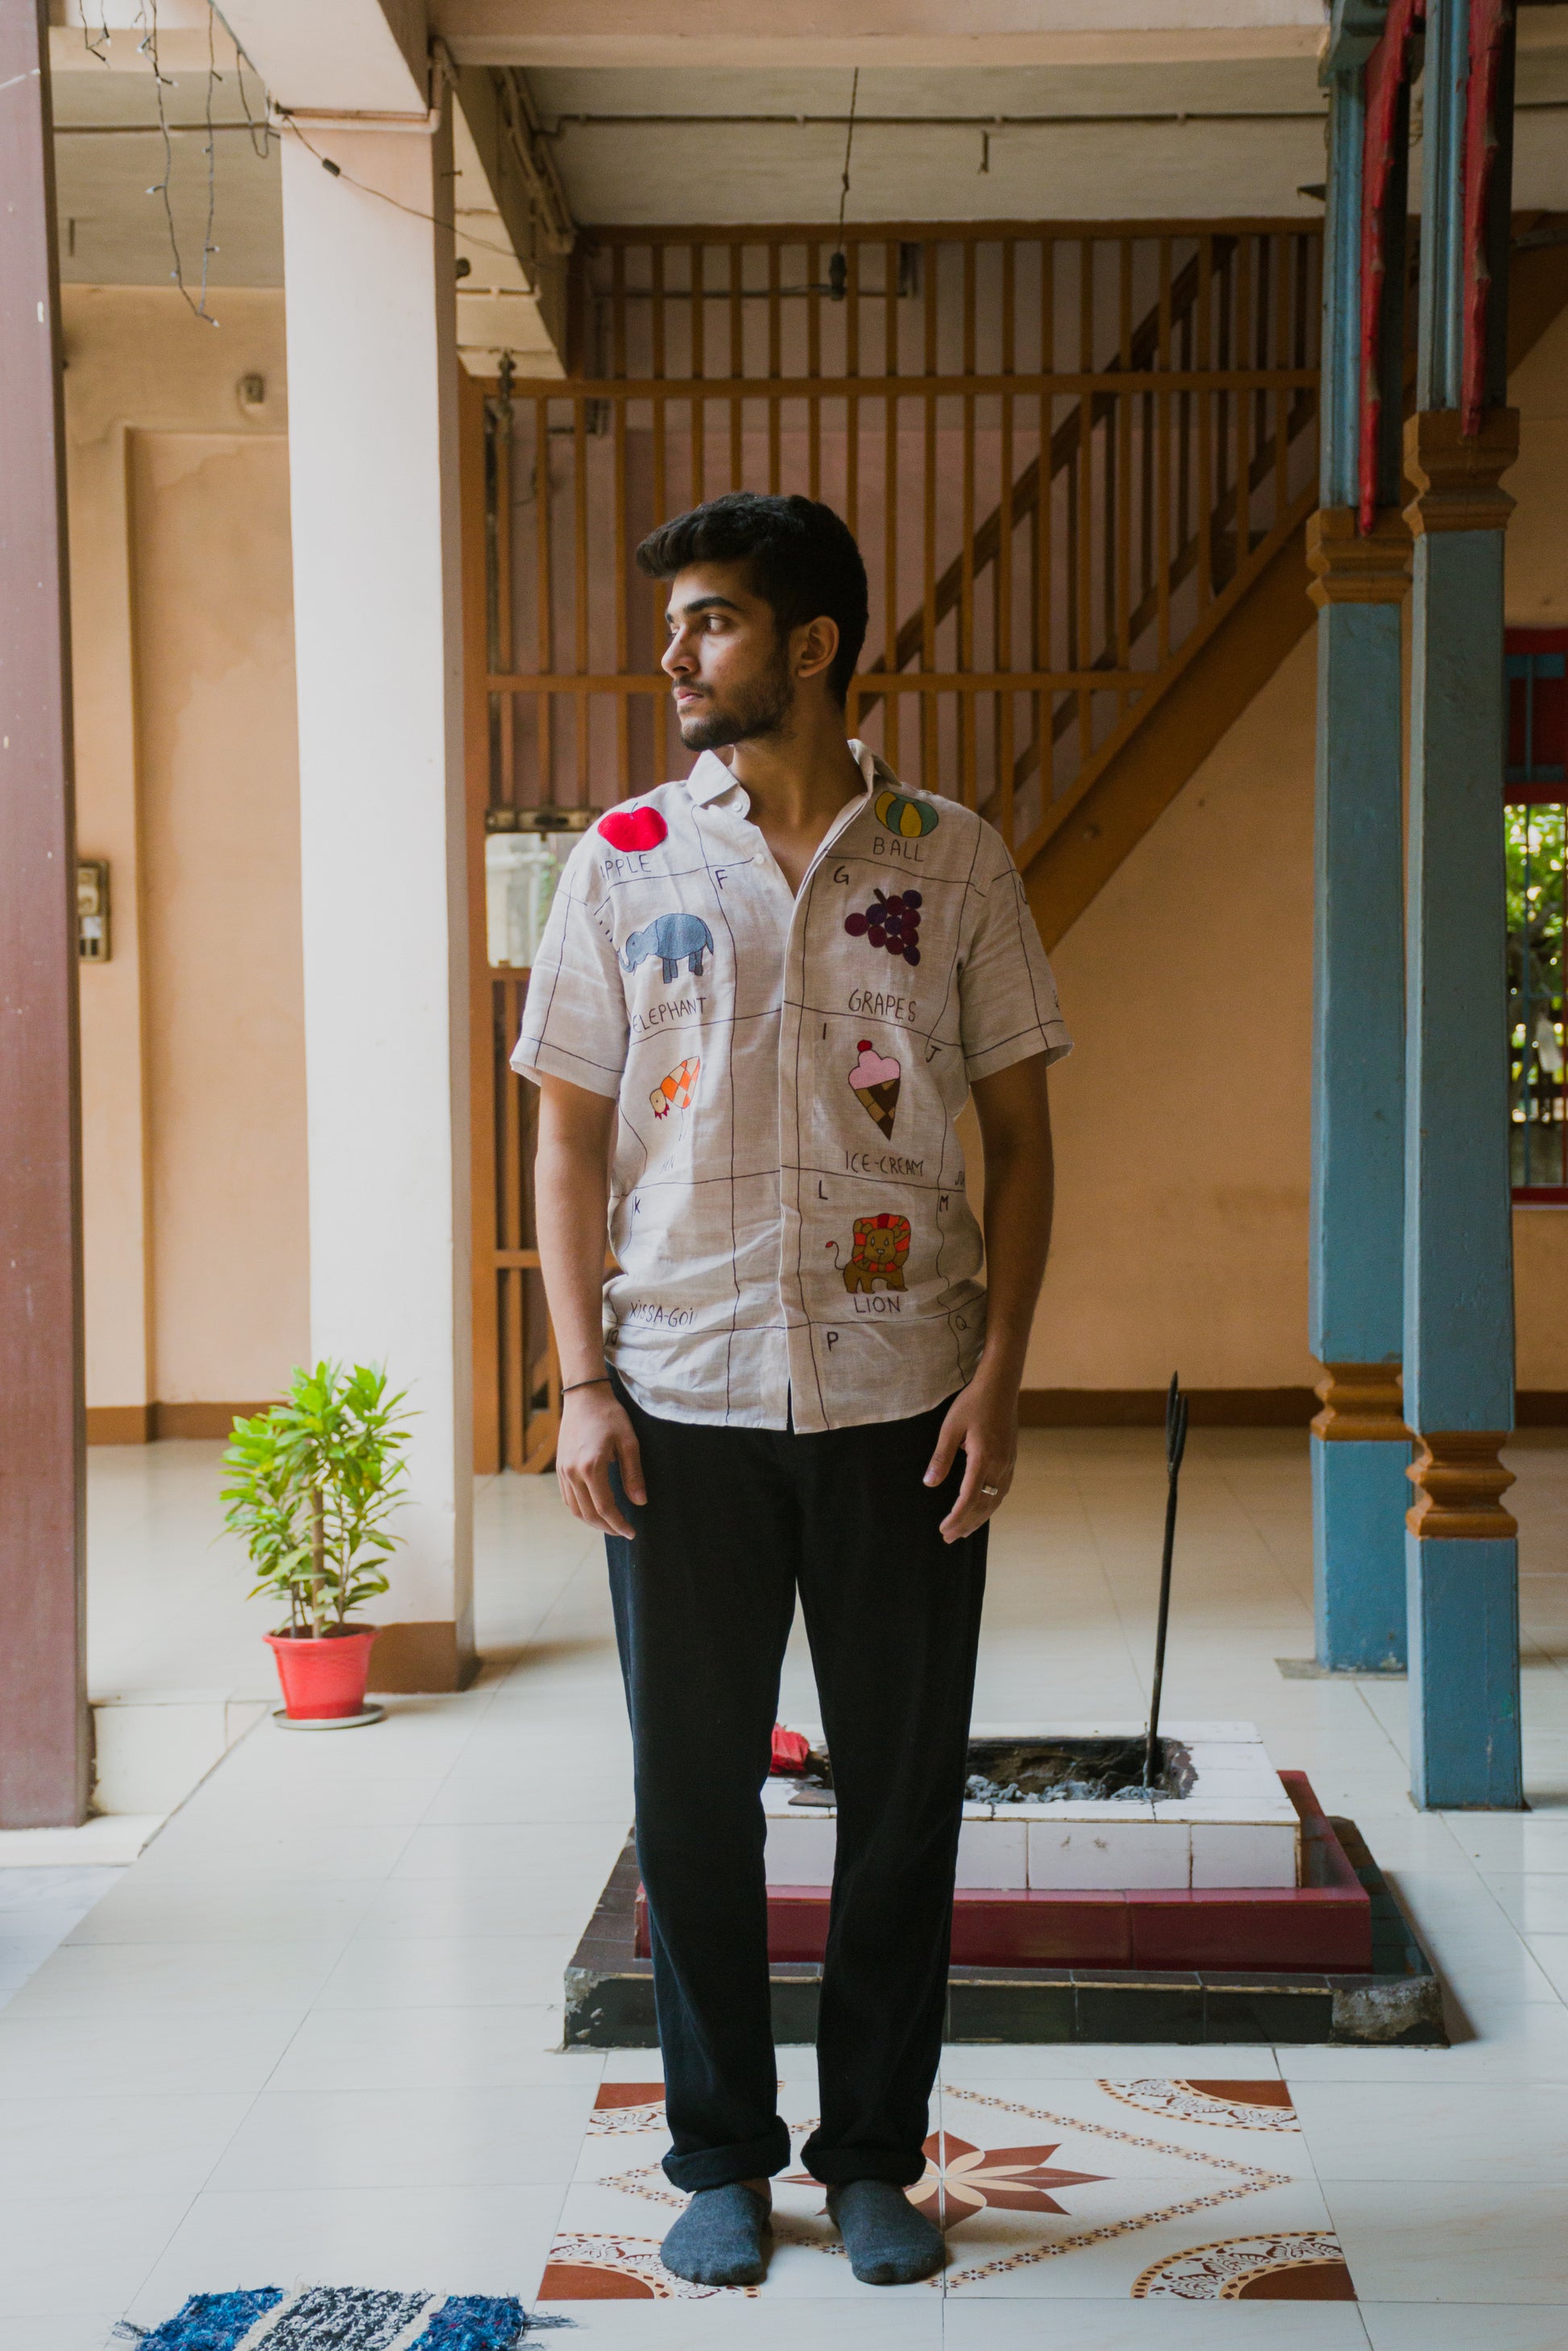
<point x="1228" y="657"/>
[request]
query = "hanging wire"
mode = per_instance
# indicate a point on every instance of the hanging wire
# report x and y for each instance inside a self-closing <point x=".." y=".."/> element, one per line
<point x="90" y="39"/>
<point x="148" y="47"/>
<point x="208" y="247"/>
<point x="839" y="268"/>
<point x="482" y="244"/>
<point x="262" y="133"/>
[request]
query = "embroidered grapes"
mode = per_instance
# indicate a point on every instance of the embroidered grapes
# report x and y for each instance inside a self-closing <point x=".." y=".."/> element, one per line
<point x="891" y="922"/>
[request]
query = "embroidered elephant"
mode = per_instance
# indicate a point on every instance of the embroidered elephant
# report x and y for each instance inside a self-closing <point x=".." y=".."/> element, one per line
<point x="673" y="938"/>
<point x="880" y="1246"/>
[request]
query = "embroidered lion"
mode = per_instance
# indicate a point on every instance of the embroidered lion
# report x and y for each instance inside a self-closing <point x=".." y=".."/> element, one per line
<point x="880" y="1246"/>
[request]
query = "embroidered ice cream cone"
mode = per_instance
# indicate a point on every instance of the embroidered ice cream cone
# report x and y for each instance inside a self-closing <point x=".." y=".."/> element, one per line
<point x="875" y="1080"/>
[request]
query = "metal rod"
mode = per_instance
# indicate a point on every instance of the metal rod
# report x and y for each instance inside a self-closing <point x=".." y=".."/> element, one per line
<point x="983" y="122"/>
<point x="1176" y="1445"/>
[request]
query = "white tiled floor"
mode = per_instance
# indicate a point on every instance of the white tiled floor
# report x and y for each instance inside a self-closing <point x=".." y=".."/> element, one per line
<point x="311" y="2033"/>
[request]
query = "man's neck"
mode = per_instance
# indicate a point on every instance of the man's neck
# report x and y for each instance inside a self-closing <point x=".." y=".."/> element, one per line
<point x="801" y="776"/>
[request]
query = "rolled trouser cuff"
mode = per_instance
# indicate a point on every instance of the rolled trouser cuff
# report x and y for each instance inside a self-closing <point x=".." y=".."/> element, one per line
<point x="718" y="2167"/>
<point x="835" y="2166"/>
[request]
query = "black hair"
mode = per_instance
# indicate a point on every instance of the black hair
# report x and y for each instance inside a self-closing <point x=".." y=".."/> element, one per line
<point x="801" y="559"/>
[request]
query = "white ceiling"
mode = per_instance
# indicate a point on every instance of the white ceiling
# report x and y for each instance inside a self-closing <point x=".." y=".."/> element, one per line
<point x="107" y="170"/>
<point x="721" y="169"/>
<point x="631" y="170"/>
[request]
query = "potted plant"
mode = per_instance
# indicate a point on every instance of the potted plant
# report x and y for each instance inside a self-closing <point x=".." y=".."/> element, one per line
<point x="312" y="1482"/>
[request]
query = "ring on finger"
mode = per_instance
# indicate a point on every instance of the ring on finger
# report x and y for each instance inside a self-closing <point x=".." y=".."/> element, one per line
<point x="992" y="1490"/>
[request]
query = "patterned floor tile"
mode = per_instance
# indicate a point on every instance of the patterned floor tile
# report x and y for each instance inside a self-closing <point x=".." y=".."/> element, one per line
<point x="1148" y="2187"/>
<point x="1132" y="2186"/>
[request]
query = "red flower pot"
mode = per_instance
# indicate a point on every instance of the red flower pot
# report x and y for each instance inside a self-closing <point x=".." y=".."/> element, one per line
<point x="323" y="1680"/>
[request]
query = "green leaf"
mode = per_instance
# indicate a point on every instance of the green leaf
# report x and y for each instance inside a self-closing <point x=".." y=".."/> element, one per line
<point x="337" y="1433"/>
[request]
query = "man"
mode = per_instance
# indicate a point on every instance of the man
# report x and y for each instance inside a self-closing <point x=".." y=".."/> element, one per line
<point x="761" y="1001"/>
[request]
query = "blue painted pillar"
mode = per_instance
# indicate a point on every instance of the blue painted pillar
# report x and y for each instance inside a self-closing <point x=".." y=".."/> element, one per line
<point x="1360" y="1447"/>
<point x="1462" y="1555"/>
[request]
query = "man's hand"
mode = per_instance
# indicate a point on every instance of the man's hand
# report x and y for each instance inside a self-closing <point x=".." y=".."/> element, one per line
<point x="594" y="1432"/>
<point x="982" y="1420"/>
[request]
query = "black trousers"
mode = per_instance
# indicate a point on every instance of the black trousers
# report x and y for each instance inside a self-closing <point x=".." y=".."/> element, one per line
<point x="737" y="1520"/>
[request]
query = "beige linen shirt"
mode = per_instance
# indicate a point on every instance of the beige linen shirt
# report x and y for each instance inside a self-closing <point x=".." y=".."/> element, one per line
<point x="787" y="1211"/>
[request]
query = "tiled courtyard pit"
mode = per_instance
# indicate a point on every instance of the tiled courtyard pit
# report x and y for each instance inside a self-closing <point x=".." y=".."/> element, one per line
<point x="1218" y="1817"/>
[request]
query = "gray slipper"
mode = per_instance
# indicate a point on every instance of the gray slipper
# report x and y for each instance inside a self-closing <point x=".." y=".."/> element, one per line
<point x="887" y="2241"/>
<point x="721" y="2238"/>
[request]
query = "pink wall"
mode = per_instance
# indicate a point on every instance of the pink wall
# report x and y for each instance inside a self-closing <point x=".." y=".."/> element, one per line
<point x="192" y="1059"/>
<point x="220" y="829"/>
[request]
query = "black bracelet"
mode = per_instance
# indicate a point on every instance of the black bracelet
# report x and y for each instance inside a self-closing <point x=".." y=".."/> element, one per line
<point x="602" y="1381"/>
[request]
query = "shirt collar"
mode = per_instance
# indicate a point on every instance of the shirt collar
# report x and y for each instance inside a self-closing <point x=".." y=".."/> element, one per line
<point x="711" y="778"/>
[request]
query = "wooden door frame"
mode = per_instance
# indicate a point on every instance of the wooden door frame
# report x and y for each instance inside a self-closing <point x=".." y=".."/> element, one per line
<point x="540" y="1427"/>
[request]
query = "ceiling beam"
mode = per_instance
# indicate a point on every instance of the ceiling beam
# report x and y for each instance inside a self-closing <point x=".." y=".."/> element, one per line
<point x="515" y="228"/>
<point x="900" y="33"/>
<point x="352" y="56"/>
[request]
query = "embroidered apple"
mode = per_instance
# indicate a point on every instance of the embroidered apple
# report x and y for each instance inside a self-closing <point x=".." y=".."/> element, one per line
<point x="633" y="827"/>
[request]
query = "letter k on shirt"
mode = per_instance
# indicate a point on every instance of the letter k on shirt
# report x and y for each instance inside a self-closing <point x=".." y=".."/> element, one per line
<point x="787" y="1193"/>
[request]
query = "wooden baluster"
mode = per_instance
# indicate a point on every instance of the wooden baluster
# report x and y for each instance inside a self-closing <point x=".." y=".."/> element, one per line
<point x="1122" y="638"/>
<point x="514" y="1236"/>
<point x="660" y="483"/>
<point x="1044" y="507"/>
<point x="1247" y="250"/>
<point x="813" y="370"/>
<point x="620" y="584"/>
<point x="1162" y="428"/>
<point x="967" y="708"/>
<point x="1282" y="400"/>
<point x="699" y="369"/>
<point x="1085" y="517"/>
<point x="852" y="403"/>
<point x="929" y="760"/>
<point x="775" y="364"/>
<point x="544" y="501"/>
<point x="1002" y="653"/>
<point x="580" y="590"/>
<point x="505" y="706"/>
<point x="892" y="710"/>
<point x="1204" y="362"/>
<point x="736" y="367"/>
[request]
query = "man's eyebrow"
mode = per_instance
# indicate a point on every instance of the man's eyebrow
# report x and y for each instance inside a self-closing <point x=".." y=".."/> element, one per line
<point x="703" y="604"/>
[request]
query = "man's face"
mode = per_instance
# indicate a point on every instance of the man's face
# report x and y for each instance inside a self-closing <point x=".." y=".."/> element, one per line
<point x="731" y="674"/>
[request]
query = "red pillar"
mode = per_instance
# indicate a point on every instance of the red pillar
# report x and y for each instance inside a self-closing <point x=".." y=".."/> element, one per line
<point x="44" y="1727"/>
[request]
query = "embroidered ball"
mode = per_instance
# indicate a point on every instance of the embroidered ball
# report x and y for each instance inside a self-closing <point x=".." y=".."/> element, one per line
<point x="906" y="817"/>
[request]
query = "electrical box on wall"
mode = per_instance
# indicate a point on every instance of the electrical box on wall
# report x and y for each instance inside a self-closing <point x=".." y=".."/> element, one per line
<point x="92" y="909"/>
<point x="526" y="851"/>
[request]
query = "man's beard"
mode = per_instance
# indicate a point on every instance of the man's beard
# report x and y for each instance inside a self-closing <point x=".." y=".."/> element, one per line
<point x="761" y="709"/>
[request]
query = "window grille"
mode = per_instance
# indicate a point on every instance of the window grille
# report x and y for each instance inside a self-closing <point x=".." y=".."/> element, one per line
<point x="1536" y="836"/>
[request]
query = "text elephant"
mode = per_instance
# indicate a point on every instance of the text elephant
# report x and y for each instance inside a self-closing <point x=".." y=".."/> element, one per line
<point x="672" y="938"/>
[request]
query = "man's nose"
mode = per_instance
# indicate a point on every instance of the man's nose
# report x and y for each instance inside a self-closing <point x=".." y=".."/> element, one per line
<point x="677" y="655"/>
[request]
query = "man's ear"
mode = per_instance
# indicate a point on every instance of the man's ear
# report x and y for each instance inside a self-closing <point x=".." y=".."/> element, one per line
<point x="815" y="647"/>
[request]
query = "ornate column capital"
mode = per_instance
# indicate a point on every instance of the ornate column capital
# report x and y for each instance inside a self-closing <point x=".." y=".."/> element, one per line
<point x="1460" y="1483"/>
<point x="1354" y="567"/>
<point x="1457" y="474"/>
<point x="1363" y="1403"/>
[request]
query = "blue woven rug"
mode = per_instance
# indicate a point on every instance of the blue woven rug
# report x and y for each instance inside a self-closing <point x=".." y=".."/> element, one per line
<point x="341" y="2319"/>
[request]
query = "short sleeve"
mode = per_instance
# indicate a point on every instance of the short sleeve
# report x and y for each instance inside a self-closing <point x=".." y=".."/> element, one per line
<point x="1007" y="996"/>
<point x="574" y="1022"/>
